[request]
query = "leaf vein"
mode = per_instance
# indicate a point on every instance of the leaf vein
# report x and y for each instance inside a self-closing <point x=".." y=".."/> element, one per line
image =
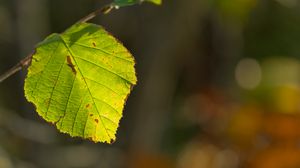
<point x="104" y="86"/>
<point x="106" y="52"/>
<point x="76" y="114"/>
<point x="114" y="109"/>
<point x="68" y="100"/>
<point x="50" y="99"/>
<point x="42" y="72"/>
<point x="103" y="68"/>
<point x="86" y="85"/>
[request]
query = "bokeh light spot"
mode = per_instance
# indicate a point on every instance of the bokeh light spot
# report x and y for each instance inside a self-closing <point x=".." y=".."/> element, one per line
<point x="248" y="73"/>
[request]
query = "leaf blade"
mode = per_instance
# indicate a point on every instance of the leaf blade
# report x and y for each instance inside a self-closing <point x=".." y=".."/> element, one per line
<point x="85" y="82"/>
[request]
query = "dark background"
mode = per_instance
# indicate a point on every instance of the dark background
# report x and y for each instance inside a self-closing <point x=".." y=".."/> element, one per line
<point x="218" y="85"/>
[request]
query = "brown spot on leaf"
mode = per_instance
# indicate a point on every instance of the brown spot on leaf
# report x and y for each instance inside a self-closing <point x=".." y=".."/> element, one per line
<point x="97" y="121"/>
<point x="90" y="138"/>
<point x="47" y="102"/>
<point x="94" y="44"/>
<point x="112" y="141"/>
<point x="87" y="106"/>
<point x="91" y="115"/>
<point x="34" y="59"/>
<point x="71" y="65"/>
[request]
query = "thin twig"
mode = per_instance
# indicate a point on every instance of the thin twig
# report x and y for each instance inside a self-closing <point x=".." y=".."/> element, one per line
<point x="104" y="10"/>
<point x="22" y="64"/>
<point x="27" y="60"/>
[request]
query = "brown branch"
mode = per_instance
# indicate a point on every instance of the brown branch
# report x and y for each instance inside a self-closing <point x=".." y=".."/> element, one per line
<point x="104" y="10"/>
<point x="27" y="60"/>
<point x="24" y="63"/>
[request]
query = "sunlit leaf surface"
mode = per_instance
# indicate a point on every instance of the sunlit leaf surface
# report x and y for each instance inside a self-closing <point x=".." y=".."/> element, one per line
<point x="79" y="80"/>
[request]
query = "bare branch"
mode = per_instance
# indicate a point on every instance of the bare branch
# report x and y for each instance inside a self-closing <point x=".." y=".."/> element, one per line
<point x="104" y="10"/>
<point x="22" y="64"/>
<point x="27" y="60"/>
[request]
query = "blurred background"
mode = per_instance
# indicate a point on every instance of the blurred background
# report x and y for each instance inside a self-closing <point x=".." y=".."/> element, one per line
<point x="219" y="85"/>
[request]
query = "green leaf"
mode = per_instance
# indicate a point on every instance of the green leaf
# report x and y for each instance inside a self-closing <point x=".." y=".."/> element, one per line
<point x="80" y="80"/>
<point x="122" y="3"/>
<point x="157" y="2"/>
